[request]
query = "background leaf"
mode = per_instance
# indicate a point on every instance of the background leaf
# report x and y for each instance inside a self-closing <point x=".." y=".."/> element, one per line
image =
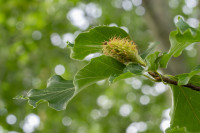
<point x="57" y="94"/>
<point x="91" y="41"/>
<point x="98" y="69"/>
<point x="186" y="107"/>
<point x="180" y="39"/>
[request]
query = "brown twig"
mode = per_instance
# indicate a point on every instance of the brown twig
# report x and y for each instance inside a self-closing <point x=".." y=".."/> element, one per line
<point x="159" y="77"/>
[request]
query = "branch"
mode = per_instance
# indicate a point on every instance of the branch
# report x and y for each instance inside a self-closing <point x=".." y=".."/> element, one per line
<point x="159" y="77"/>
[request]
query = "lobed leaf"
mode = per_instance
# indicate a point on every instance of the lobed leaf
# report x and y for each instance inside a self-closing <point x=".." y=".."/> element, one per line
<point x="58" y="93"/>
<point x="180" y="39"/>
<point x="90" y="42"/>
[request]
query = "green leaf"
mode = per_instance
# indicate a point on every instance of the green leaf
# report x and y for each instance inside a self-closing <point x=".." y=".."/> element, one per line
<point x="98" y="69"/>
<point x="130" y="70"/>
<point x="58" y="93"/>
<point x="150" y="49"/>
<point x="152" y="61"/>
<point x="69" y="44"/>
<point x="133" y="68"/>
<point x="91" y="41"/>
<point x="185" y="110"/>
<point x="177" y="130"/>
<point x="183" y="79"/>
<point x="180" y="39"/>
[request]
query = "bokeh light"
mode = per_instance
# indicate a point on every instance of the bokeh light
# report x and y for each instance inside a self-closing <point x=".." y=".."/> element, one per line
<point x="59" y="69"/>
<point x="31" y="122"/>
<point x="11" y="119"/>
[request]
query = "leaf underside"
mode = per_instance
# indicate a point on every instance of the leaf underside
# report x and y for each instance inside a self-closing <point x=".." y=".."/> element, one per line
<point x="57" y="94"/>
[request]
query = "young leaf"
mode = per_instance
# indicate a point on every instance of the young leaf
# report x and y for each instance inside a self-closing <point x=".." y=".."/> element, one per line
<point x="92" y="41"/>
<point x="183" y="79"/>
<point x="152" y="61"/>
<point x="185" y="107"/>
<point x="180" y="39"/>
<point x="58" y="93"/>
<point x="98" y="69"/>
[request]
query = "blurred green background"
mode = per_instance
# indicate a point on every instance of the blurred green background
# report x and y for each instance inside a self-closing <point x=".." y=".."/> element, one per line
<point x="33" y="36"/>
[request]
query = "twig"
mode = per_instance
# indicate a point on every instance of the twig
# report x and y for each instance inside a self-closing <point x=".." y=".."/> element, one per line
<point x="159" y="77"/>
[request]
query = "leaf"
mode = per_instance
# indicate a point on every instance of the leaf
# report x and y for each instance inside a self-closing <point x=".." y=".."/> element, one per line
<point x="91" y="41"/>
<point x="177" y="130"/>
<point x="115" y="78"/>
<point x="152" y="61"/>
<point x="185" y="110"/>
<point x="180" y="39"/>
<point x="58" y="93"/>
<point x="130" y="70"/>
<point x="69" y="44"/>
<point x="183" y="79"/>
<point x="98" y="69"/>
<point x="149" y="50"/>
<point x="133" y="68"/>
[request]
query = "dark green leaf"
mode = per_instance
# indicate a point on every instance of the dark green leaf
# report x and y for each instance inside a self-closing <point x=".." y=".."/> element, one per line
<point x="70" y="44"/>
<point x="133" y="68"/>
<point x="91" y="42"/>
<point x="177" y="130"/>
<point x="98" y="69"/>
<point x="130" y="70"/>
<point x="58" y="93"/>
<point x="186" y="106"/>
<point x="180" y="39"/>
<point x="121" y="76"/>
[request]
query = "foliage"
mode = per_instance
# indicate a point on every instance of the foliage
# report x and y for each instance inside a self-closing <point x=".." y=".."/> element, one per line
<point x="185" y="100"/>
<point x="33" y="37"/>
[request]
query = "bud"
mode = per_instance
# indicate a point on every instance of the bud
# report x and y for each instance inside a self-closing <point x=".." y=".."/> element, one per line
<point x="123" y="50"/>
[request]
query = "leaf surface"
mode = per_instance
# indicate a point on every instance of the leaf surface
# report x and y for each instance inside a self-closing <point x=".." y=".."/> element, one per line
<point x="91" y="42"/>
<point x="98" y="69"/>
<point x="183" y="79"/>
<point x="152" y="61"/>
<point x="177" y="130"/>
<point x="58" y="93"/>
<point x="130" y="70"/>
<point x="185" y="110"/>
